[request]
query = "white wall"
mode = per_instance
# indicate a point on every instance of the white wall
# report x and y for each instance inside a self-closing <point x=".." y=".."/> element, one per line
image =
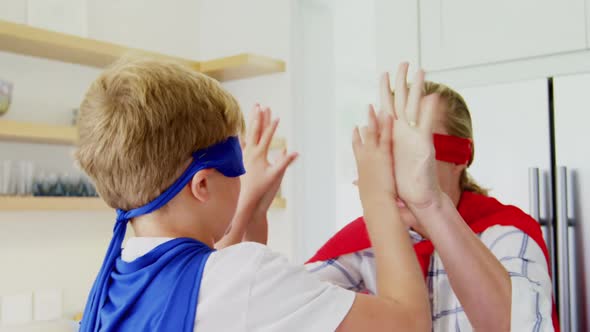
<point x="343" y="46"/>
<point x="47" y="250"/>
<point x="314" y="117"/>
<point x="263" y="27"/>
<point x="169" y="27"/>
<point x="397" y="34"/>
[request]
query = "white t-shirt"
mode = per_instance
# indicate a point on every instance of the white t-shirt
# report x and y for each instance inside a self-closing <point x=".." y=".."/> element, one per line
<point x="246" y="287"/>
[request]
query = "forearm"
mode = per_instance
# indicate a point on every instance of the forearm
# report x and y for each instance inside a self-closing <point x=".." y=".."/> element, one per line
<point x="244" y="214"/>
<point x="257" y="230"/>
<point x="479" y="280"/>
<point x="399" y="277"/>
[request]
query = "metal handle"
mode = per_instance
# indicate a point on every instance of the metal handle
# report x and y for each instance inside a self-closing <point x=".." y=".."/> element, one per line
<point x="549" y="228"/>
<point x="563" y="252"/>
<point x="574" y="314"/>
<point x="539" y="193"/>
<point x="534" y="206"/>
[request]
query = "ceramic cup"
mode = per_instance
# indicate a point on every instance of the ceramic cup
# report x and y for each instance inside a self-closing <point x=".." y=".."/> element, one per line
<point x="5" y="96"/>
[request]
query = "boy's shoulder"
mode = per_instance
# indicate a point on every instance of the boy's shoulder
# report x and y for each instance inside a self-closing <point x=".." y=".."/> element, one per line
<point x="243" y="254"/>
<point x="243" y="249"/>
<point x="248" y="260"/>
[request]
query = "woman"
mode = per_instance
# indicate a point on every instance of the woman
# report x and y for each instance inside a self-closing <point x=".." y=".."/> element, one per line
<point x="485" y="263"/>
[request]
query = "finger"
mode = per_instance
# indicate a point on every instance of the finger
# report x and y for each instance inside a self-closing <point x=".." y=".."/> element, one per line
<point x="252" y="115"/>
<point x="378" y="118"/>
<point x="381" y="116"/>
<point x="364" y="130"/>
<point x="372" y="133"/>
<point x="416" y="92"/>
<point x="385" y="135"/>
<point x="427" y="113"/>
<point x="401" y="90"/>
<point x="242" y="141"/>
<point x="253" y="133"/>
<point x="355" y="182"/>
<point x="284" y="162"/>
<point x="267" y="135"/>
<point x="267" y="116"/>
<point x="357" y="143"/>
<point x="385" y="95"/>
<point x="281" y="168"/>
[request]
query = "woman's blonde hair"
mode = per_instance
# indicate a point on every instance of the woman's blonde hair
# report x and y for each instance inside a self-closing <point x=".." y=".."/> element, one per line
<point x="457" y="123"/>
<point x="141" y="120"/>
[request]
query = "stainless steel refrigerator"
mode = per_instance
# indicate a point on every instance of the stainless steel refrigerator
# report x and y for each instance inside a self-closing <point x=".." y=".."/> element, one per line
<point x="532" y="149"/>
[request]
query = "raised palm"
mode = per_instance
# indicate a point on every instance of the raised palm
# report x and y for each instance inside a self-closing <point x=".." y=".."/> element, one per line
<point x="262" y="179"/>
<point x="413" y="150"/>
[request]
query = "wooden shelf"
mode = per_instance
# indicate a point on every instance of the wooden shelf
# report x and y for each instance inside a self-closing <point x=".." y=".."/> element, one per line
<point x="53" y="134"/>
<point x="278" y="143"/>
<point x="241" y="66"/>
<point x="37" y="133"/>
<point x="27" y="40"/>
<point x="29" y="203"/>
<point x="279" y="203"/>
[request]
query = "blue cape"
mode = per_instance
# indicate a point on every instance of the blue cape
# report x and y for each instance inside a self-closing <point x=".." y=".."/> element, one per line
<point x="158" y="291"/>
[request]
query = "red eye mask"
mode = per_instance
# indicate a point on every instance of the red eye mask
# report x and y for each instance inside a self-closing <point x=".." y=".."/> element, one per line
<point x="452" y="149"/>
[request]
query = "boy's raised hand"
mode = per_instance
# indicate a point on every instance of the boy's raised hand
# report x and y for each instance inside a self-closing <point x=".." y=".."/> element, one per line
<point x="260" y="183"/>
<point x="413" y="150"/>
<point x="262" y="179"/>
<point x="374" y="160"/>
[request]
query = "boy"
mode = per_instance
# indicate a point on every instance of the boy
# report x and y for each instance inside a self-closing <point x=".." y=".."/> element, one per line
<point x="160" y="143"/>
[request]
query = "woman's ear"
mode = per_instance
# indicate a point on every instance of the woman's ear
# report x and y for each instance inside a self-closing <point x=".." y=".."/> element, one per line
<point x="458" y="169"/>
<point x="199" y="185"/>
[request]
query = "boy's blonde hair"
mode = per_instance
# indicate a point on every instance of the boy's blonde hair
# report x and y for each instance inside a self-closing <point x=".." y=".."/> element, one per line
<point x="141" y="120"/>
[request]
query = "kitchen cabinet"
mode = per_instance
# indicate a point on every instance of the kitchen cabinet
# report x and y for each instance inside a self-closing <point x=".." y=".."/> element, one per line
<point x="460" y="33"/>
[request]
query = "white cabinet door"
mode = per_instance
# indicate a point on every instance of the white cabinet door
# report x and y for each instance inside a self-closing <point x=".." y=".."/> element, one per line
<point x="458" y="33"/>
<point x="572" y="115"/>
<point x="511" y="134"/>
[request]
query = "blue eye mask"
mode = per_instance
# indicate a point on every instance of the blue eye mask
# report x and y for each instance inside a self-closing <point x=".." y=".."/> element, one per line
<point x="225" y="157"/>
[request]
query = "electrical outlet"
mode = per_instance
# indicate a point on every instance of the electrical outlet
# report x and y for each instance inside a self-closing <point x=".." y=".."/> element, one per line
<point x="16" y="309"/>
<point x="48" y="304"/>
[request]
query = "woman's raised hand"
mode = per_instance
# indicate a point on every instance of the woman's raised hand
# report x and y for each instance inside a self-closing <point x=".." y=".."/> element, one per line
<point x="413" y="150"/>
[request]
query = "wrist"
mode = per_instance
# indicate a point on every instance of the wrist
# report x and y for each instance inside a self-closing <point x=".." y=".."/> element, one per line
<point x="433" y="205"/>
<point x="380" y="211"/>
<point x="245" y="211"/>
<point x="259" y="216"/>
<point x="377" y="200"/>
<point x="431" y="214"/>
<point x="248" y="198"/>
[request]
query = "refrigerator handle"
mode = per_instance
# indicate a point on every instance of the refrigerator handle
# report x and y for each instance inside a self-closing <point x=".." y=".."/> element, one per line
<point x="563" y="250"/>
<point x="534" y="206"/>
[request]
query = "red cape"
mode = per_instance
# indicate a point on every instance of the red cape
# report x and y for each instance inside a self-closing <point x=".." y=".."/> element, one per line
<point x="479" y="212"/>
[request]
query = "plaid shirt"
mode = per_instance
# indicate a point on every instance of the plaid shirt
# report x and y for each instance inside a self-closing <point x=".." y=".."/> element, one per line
<point x="520" y="255"/>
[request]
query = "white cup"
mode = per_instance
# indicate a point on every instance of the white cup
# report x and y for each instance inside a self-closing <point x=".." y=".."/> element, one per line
<point x="6" y="178"/>
<point x="24" y="178"/>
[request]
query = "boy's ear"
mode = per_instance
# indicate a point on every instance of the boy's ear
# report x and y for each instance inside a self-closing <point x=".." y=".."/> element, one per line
<point x="199" y="185"/>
